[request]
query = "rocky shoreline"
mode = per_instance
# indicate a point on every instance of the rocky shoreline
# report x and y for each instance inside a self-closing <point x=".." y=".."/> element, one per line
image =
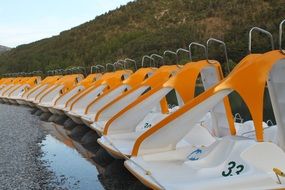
<point x="20" y="151"/>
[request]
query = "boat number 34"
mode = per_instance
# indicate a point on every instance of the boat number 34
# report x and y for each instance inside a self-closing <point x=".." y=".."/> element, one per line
<point x="147" y="125"/>
<point x="233" y="169"/>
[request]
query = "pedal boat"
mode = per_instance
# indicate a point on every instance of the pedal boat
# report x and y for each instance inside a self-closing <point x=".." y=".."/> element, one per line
<point x="231" y="161"/>
<point x="4" y="82"/>
<point x="63" y="85"/>
<point x="8" y="88"/>
<point x="64" y="106"/>
<point x="29" y="97"/>
<point x="132" y="84"/>
<point x="123" y="129"/>
<point x="161" y="75"/>
<point x="82" y="85"/>
<point x="77" y="106"/>
<point x="25" y="87"/>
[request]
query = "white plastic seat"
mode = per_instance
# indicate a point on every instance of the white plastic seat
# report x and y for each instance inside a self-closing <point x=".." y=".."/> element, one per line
<point x="210" y="170"/>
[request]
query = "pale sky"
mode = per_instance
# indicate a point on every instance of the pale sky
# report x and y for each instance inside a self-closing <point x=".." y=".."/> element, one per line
<point x="25" y="21"/>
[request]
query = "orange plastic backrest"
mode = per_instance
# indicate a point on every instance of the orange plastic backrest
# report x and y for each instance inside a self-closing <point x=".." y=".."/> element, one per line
<point x="111" y="80"/>
<point x="160" y="76"/>
<point x="90" y="79"/>
<point x="184" y="82"/>
<point x="135" y="79"/>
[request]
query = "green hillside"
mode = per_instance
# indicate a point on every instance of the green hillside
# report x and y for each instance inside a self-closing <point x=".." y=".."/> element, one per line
<point x="3" y="49"/>
<point x="150" y="26"/>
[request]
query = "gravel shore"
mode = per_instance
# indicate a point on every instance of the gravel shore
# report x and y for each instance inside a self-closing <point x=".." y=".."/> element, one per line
<point x="20" y="165"/>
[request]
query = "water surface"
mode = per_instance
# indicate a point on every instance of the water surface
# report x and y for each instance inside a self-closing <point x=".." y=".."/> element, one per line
<point x="75" y="167"/>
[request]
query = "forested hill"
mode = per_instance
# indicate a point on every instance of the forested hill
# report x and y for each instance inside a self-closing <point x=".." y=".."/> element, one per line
<point x="150" y="26"/>
<point x="3" y="49"/>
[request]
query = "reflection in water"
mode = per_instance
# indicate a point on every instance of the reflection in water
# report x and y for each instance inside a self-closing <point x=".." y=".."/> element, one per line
<point x="74" y="164"/>
<point x="64" y="161"/>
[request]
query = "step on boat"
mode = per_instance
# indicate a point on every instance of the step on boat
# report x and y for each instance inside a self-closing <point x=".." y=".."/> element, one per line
<point x="231" y="161"/>
<point x="123" y="129"/>
<point x="104" y="114"/>
<point x="109" y="81"/>
<point x="29" y="97"/>
<point x="63" y="85"/>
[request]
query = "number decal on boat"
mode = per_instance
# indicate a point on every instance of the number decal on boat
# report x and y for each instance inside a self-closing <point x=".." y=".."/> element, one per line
<point x="240" y="167"/>
<point x="233" y="166"/>
<point x="171" y="106"/>
<point x="193" y="155"/>
<point x="147" y="125"/>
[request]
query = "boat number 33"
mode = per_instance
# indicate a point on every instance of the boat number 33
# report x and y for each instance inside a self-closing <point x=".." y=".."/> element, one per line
<point x="233" y="169"/>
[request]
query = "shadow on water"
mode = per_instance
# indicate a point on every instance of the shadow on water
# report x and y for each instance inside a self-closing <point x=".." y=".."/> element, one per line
<point x="87" y="166"/>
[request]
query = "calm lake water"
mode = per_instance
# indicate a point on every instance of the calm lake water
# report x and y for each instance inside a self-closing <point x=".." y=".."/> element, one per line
<point x="75" y="167"/>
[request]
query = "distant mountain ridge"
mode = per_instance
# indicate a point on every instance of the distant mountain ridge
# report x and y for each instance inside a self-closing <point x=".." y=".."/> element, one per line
<point x="4" y="48"/>
<point x="143" y="27"/>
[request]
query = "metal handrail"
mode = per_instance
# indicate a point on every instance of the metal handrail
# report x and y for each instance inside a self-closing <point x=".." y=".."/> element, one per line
<point x="37" y="72"/>
<point x="112" y="65"/>
<point x="280" y="36"/>
<point x="132" y="61"/>
<point x="122" y="61"/>
<point x="172" y="53"/>
<point x="69" y="71"/>
<point x="182" y="50"/>
<point x="147" y="57"/>
<point x="262" y="31"/>
<point x="49" y="72"/>
<point x="72" y="70"/>
<point x="81" y="70"/>
<point x="119" y="62"/>
<point x="92" y="69"/>
<point x="225" y="51"/>
<point x="154" y="55"/>
<point x="75" y="70"/>
<point x="98" y="68"/>
<point x="59" y="71"/>
<point x="199" y="45"/>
